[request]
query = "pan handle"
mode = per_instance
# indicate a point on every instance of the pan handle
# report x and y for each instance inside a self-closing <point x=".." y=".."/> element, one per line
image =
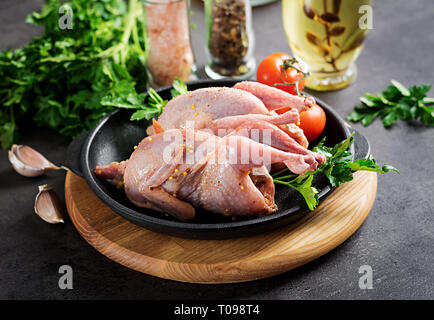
<point x="73" y="154"/>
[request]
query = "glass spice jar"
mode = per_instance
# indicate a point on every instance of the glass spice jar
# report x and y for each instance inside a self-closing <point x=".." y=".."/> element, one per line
<point x="230" y="39"/>
<point x="170" y="50"/>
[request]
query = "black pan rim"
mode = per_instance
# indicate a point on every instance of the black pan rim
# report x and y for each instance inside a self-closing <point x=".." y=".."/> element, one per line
<point x="184" y="228"/>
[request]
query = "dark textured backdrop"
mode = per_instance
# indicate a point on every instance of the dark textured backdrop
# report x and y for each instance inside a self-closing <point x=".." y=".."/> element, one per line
<point x="396" y="239"/>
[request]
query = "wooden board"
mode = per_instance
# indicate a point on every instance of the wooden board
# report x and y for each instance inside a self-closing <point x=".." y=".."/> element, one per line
<point x="221" y="261"/>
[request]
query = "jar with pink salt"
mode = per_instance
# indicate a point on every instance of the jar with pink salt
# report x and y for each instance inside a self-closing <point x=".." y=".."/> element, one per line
<point x="170" y="55"/>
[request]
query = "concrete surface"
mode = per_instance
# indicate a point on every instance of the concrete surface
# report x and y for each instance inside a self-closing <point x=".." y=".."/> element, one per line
<point x="396" y="239"/>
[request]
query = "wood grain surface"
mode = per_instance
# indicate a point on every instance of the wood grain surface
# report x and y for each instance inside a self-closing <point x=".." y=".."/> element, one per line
<point x="221" y="261"/>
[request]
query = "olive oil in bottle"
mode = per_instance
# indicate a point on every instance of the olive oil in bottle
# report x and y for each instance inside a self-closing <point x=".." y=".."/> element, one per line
<point x="325" y="36"/>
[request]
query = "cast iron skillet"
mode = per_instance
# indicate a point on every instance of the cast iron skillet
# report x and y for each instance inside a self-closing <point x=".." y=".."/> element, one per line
<point x="114" y="138"/>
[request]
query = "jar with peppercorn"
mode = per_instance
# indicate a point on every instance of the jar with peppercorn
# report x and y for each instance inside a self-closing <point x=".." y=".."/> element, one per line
<point x="230" y="39"/>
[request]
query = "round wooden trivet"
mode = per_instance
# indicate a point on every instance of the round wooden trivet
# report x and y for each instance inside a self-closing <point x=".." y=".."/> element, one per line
<point x="221" y="261"/>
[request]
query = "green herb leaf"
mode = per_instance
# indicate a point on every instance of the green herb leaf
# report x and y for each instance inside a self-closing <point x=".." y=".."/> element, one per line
<point x="338" y="168"/>
<point x="339" y="174"/>
<point x="404" y="91"/>
<point x="370" y="165"/>
<point x="178" y="88"/>
<point x="388" y="168"/>
<point x="419" y="92"/>
<point x="395" y="103"/>
<point x="129" y="101"/>
<point x="428" y="100"/>
<point x="355" y="116"/>
<point x="305" y="188"/>
<point x="389" y="118"/>
<point x="147" y="114"/>
<point x="7" y="131"/>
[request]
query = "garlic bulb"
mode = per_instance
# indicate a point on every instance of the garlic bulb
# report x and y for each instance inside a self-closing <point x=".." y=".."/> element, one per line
<point x="47" y="205"/>
<point x="28" y="162"/>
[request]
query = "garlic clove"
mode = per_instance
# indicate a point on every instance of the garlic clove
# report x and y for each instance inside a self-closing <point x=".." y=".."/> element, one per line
<point x="28" y="162"/>
<point x="47" y="205"/>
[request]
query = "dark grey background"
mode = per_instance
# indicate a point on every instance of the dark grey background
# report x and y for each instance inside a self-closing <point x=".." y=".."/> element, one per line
<point x="396" y="239"/>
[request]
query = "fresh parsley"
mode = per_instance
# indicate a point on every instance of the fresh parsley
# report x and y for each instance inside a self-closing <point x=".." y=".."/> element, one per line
<point x="395" y="103"/>
<point x="178" y="88"/>
<point x="154" y="105"/>
<point x="338" y="168"/>
<point x="68" y="79"/>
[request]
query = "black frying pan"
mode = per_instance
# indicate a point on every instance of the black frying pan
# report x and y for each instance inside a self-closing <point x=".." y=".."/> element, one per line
<point x="114" y="138"/>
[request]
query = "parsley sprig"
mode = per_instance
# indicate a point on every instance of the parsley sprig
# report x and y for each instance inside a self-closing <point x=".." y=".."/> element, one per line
<point x="178" y="88"/>
<point x="338" y="168"/>
<point x="68" y="79"/>
<point x="396" y="102"/>
<point x="152" y="107"/>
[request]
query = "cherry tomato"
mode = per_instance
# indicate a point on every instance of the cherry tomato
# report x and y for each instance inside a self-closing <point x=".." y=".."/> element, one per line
<point x="312" y="121"/>
<point x="270" y="72"/>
